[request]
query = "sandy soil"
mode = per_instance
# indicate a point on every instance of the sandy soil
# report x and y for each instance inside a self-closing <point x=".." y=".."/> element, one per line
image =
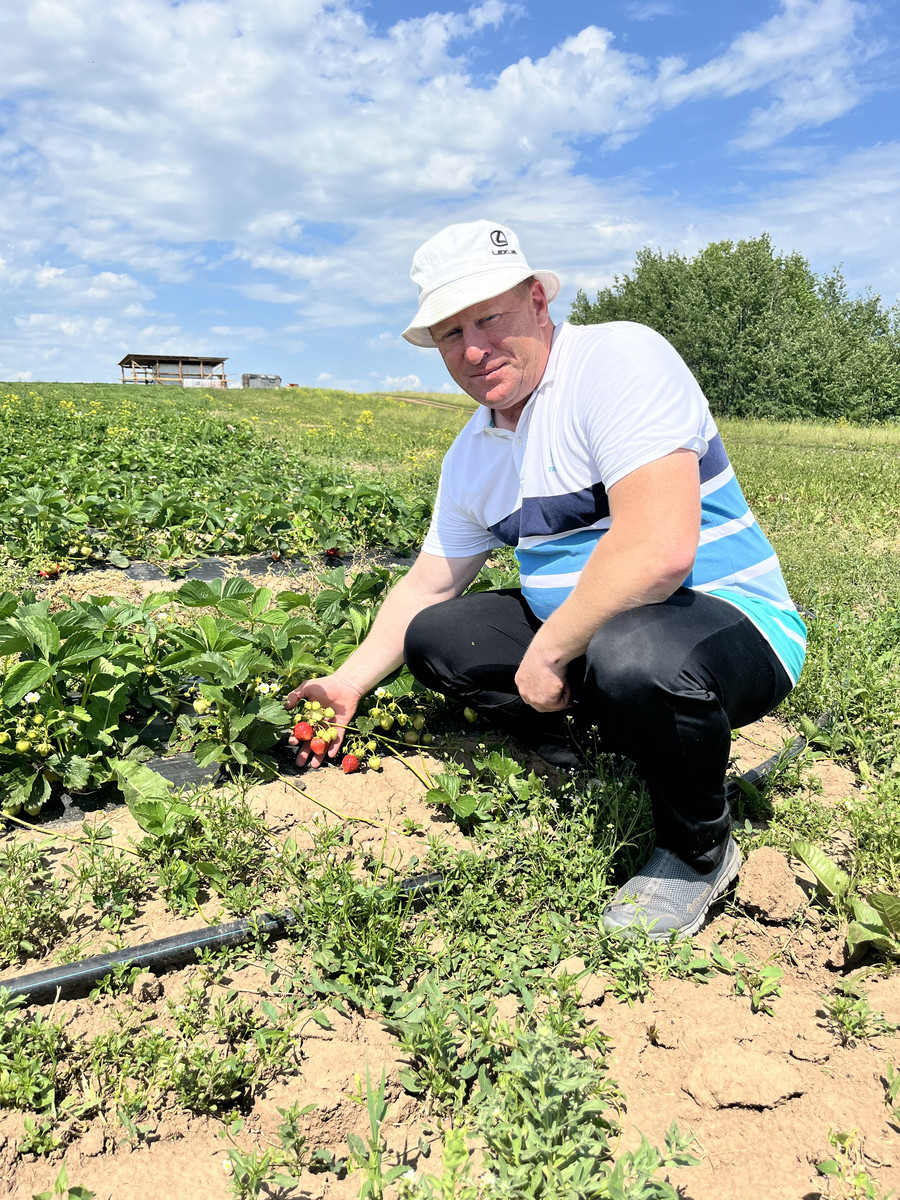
<point x="759" y="1092"/>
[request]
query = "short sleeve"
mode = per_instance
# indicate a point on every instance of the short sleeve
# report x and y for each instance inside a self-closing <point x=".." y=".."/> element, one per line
<point x="454" y="532"/>
<point x="638" y="401"/>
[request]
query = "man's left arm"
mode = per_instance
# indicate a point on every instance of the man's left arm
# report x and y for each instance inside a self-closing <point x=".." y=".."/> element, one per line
<point x="644" y="556"/>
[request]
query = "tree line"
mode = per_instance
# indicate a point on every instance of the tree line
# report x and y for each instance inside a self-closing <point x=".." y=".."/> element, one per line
<point x="764" y="334"/>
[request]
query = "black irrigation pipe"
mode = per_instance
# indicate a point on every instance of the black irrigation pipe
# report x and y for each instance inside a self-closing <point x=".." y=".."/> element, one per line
<point x="77" y="979"/>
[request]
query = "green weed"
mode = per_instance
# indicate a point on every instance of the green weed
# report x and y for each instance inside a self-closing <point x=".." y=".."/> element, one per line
<point x="32" y="903"/>
<point x="847" y="1168"/>
<point x="62" y="1188"/>
<point x="850" y="1016"/>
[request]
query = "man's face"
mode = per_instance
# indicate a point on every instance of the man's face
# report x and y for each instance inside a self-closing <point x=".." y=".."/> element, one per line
<point x="497" y="350"/>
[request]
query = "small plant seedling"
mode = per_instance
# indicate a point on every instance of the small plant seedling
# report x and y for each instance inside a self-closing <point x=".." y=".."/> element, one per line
<point x="39" y="1137"/>
<point x="367" y="1156"/>
<point x="761" y="984"/>
<point x="117" y="982"/>
<point x="847" y="1167"/>
<point x="892" y="1092"/>
<point x="61" y="1188"/>
<point x="851" y="1018"/>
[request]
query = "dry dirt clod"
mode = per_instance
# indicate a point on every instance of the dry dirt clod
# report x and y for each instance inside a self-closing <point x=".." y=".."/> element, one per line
<point x="737" y="1077"/>
<point x="814" y="1047"/>
<point x="146" y="988"/>
<point x="839" y="957"/>
<point x="507" y="1007"/>
<point x="93" y="1142"/>
<point x="569" y="966"/>
<point x="592" y="991"/>
<point x="767" y="887"/>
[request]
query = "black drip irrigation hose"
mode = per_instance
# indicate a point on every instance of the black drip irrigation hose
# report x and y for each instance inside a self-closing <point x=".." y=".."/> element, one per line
<point x="77" y="979"/>
<point x="757" y="775"/>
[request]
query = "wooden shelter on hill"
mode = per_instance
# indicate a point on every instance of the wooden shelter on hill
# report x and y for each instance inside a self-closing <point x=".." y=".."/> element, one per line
<point x="178" y="370"/>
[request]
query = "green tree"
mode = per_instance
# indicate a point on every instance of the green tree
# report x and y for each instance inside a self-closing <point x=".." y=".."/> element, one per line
<point x="765" y="336"/>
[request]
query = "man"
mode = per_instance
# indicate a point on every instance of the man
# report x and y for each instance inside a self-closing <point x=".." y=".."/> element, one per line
<point x="651" y="605"/>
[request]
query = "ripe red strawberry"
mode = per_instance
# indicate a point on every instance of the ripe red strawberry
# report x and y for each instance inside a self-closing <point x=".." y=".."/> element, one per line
<point x="349" y="764"/>
<point x="318" y="745"/>
<point x="333" y="552"/>
<point x="303" y="731"/>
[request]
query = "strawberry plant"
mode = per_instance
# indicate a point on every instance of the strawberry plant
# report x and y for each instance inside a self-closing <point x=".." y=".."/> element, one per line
<point x="106" y="479"/>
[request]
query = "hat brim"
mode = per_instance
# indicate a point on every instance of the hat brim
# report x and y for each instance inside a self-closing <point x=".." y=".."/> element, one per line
<point x="453" y="297"/>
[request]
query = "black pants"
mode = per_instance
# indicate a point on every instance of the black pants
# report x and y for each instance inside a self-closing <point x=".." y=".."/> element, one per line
<point x="665" y="684"/>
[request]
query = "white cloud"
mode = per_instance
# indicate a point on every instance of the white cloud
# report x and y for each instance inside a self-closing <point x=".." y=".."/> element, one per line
<point x="323" y="376"/>
<point x="646" y="10"/>
<point x="401" y="383"/>
<point x="385" y="341"/>
<point x="283" y="152"/>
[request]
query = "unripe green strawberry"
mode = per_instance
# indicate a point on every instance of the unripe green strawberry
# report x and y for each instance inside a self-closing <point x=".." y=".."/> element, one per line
<point x="23" y="746"/>
<point x="44" y="749"/>
<point x="418" y="722"/>
<point x="328" y="714"/>
<point x="85" y="551"/>
<point x="4" y="737"/>
<point x="410" y="737"/>
<point x="374" y="763"/>
<point x="33" y="809"/>
<point x="471" y="715"/>
<point x="201" y="706"/>
<point x="386" y="722"/>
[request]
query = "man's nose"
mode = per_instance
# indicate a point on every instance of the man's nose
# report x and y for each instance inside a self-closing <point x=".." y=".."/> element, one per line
<point x="476" y="349"/>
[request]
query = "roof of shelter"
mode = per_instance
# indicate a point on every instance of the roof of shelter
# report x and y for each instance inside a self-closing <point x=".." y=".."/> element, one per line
<point x="149" y="360"/>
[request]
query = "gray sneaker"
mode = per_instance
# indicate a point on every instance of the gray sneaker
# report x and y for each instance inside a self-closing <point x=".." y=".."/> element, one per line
<point x="668" y="896"/>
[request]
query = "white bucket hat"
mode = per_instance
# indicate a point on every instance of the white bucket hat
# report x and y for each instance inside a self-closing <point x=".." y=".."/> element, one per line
<point x="463" y="265"/>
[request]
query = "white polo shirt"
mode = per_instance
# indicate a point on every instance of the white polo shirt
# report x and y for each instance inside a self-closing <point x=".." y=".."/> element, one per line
<point x="612" y="398"/>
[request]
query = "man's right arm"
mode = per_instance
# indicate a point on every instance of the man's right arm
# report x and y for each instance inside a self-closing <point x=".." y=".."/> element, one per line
<point x="430" y="580"/>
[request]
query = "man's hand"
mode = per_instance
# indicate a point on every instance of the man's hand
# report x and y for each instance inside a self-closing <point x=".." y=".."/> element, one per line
<point x="542" y="684"/>
<point x="332" y="691"/>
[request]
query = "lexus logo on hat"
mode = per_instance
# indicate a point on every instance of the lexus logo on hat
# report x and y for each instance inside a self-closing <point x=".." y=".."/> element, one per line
<point x="498" y="237"/>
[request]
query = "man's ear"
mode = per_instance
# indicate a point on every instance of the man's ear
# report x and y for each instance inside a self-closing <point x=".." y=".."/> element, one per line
<point x="539" y="300"/>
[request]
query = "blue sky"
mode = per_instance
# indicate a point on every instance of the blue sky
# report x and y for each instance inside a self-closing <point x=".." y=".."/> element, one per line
<point x="250" y="178"/>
